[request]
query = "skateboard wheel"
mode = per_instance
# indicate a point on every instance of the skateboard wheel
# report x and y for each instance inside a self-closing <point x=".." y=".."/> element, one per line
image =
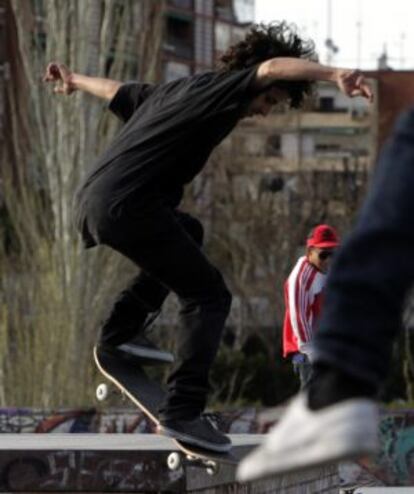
<point x="174" y="461"/>
<point x="102" y="392"/>
<point x="212" y="467"/>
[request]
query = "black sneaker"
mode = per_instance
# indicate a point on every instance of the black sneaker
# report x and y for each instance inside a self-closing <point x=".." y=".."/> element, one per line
<point x="139" y="348"/>
<point x="142" y="348"/>
<point x="138" y="345"/>
<point x="197" y="432"/>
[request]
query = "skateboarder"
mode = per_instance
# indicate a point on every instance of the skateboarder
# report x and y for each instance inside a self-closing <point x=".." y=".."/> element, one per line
<point x="129" y="199"/>
<point x="303" y="299"/>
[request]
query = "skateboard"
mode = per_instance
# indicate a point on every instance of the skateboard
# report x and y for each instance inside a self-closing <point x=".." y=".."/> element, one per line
<point x="130" y="378"/>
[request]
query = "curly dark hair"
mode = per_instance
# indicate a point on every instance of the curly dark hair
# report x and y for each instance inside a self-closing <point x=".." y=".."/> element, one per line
<point x="266" y="41"/>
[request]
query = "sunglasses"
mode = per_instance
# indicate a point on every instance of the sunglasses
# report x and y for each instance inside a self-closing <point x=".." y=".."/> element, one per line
<point x="325" y="254"/>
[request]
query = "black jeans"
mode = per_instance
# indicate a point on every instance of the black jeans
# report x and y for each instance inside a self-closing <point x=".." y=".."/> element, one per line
<point x="374" y="269"/>
<point x="143" y="295"/>
<point x="162" y="242"/>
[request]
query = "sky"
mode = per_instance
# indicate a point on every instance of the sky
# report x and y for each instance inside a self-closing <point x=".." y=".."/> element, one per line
<point x="378" y="24"/>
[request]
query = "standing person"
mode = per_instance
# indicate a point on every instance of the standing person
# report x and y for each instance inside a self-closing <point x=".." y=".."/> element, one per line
<point x="129" y="201"/>
<point x="303" y="299"/>
<point x="337" y="415"/>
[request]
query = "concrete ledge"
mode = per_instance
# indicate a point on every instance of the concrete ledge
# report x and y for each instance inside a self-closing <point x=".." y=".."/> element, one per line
<point x="100" y="442"/>
<point x="104" y="462"/>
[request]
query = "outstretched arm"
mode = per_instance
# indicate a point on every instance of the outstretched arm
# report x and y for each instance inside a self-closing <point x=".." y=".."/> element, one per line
<point x="66" y="82"/>
<point x="351" y="82"/>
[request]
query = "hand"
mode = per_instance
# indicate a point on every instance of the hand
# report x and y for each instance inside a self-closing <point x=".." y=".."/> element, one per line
<point x="353" y="83"/>
<point x="61" y="76"/>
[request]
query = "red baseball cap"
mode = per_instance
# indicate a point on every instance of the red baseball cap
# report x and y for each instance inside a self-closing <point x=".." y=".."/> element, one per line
<point x="323" y="237"/>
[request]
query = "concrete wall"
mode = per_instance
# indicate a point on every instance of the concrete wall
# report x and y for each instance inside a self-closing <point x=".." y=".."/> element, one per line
<point x="393" y="466"/>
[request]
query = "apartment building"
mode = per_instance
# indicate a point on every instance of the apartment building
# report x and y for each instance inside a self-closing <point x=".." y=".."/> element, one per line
<point x="333" y="127"/>
<point x="197" y="31"/>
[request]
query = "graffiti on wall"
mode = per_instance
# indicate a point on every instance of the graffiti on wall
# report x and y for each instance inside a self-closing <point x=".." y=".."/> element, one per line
<point x="395" y="463"/>
<point x="87" y="470"/>
<point x="18" y="420"/>
<point x="393" y="466"/>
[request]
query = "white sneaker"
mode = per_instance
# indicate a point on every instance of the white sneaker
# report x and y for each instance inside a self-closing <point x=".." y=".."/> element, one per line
<point x="305" y="438"/>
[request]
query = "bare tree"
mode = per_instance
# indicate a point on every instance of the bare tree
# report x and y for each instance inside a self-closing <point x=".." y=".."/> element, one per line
<point x="257" y="231"/>
<point x="53" y="292"/>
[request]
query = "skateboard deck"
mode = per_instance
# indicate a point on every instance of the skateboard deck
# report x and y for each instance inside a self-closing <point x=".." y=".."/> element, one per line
<point x="131" y="379"/>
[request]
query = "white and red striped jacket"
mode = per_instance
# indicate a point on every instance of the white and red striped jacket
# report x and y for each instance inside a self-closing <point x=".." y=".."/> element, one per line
<point x="303" y="300"/>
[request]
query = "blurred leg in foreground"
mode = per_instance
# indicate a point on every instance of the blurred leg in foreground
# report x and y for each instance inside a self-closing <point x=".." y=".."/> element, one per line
<point x="336" y="417"/>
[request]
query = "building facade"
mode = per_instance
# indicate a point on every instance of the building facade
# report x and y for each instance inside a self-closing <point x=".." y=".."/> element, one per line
<point x="197" y="31"/>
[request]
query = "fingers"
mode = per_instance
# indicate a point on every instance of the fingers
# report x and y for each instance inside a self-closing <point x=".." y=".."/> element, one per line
<point x="355" y="93"/>
<point x="354" y="84"/>
<point x="363" y="89"/>
<point x="56" y="71"/>
<point x="62" y="89"/>
<point x="60" y="75"/>
<point x="64" y="71"/>
<point x="364" y="93"/>
<point x="52" y="72"/>
<point x="367" y="93"/>
<point x="351" y="77"/>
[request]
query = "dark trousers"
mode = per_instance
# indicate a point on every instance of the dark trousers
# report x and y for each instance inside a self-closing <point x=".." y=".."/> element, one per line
<point x="143" y="295"/>
<point x="374" y="269"/>
<point x="165" y="244"/>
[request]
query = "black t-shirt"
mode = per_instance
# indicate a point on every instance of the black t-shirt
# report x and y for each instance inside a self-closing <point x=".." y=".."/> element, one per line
<point x="170" y="131"/>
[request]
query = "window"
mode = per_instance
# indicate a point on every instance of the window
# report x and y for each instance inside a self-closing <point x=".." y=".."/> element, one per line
<point x="326" y="104"/>
<point x="327" y="148"/>
<point x="224" y="9"/>
<point x="179" y="36"/>
<point x="273" y="145"/>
